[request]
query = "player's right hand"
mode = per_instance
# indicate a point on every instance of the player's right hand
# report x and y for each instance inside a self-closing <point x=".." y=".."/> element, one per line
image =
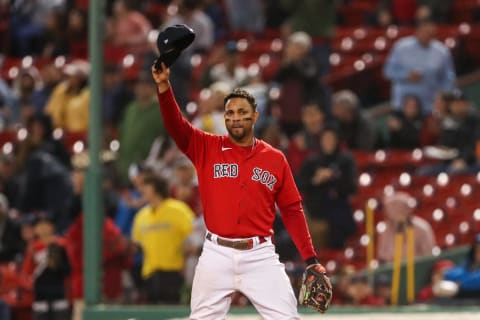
<point x="161" y="77"/>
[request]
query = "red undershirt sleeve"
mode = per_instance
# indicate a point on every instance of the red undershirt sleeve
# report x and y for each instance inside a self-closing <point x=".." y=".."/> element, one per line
<point x="294" y="220"/>
<point x="177" y="126"/>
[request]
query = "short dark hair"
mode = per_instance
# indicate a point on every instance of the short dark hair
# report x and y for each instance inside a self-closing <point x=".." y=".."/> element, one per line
<point x="160" y="185"/>
<point x="240" y="93"/>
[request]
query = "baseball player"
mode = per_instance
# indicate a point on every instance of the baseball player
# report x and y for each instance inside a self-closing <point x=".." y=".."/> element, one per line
<point x="241" y="179"/>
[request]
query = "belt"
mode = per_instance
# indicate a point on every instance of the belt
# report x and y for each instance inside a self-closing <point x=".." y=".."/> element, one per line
<point x="244" y="244"/>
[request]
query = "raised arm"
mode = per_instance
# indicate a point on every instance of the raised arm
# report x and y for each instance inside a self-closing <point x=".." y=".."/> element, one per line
<point x="177" y="126"/>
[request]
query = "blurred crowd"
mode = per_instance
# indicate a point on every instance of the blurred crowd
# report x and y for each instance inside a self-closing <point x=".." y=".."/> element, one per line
<point x="153" y="231"/>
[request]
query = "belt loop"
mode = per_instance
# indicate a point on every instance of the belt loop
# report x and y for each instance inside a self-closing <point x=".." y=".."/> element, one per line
<point x="214" y="238"/>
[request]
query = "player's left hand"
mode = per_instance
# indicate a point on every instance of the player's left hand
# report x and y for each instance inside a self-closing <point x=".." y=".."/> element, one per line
<point x="316" y="291"/>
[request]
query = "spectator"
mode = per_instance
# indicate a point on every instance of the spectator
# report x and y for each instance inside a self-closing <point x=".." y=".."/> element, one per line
<point x="327" y="181"/>
<point x="271" y="133"/>
<point x="405" y="125"/>
<point x="410" y="75"/>
<point x="24" y="86"/>
<point x="398" y="12"/>
<point x="51" y="76"/>
<point x="318" y="19"/>
<point x="69" y="102"/>
<point x="439" y="11"/>
<point x="189" y="13"/>
<point x="9" y="181"/>
<point x="28" y="21"/>
<point x="440" y="267"/>
<point x="162" y="157"/>
<point x="225" y="68"/>
<point x="210" y="115"/>
<point x="44" y="177"/>
<point x="129" y="205"/>
<point x="459" y="133"/>
<point x="115" y="254"/>
<point x="116" y="97"/>
<point x="306" y="142"/>
<point x="55" y="37"/>
<point x="184" y="185"/>
<point x="8" y="106"/>
<point x="215" y="11"/>
<point x="383" y="287"/>
<point x="128" y="28"/>
<point x="467" y="276"/>
<point x="359" y="292"/>
<point x="399" y="212"/>
<point x="162" y="269"/>
<point x="245" y="15"/>
<point x="47" y="264"/>
<point x="132" y="199"/>
<point x="298" y="80"/>
<point x="356" y="131"/>
<point x="433" y="123"/>
<point x="136" y="140"/>
<point x="11" y="243"/>
<point x="40" y="138"/>
<point x="77" y="35"/>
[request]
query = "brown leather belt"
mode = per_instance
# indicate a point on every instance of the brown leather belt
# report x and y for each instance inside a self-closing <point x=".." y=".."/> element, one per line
<point x="236" y="244"/>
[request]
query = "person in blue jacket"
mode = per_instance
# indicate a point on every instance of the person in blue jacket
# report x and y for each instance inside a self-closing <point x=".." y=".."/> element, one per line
<point x="467" y="276"/>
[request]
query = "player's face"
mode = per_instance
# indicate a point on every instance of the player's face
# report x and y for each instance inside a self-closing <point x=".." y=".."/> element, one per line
<point x="239" y="119"/>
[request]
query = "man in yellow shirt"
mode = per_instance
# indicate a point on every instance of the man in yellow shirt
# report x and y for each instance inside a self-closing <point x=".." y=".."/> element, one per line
<point x="160" y="229"/>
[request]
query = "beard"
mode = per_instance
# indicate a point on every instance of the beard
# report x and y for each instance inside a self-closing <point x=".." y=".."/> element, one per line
<point x="239" y="134"/>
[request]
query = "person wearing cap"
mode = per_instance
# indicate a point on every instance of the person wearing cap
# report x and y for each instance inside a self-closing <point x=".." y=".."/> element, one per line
<point x="467" y="275"/>
<point x="398" y="210"/>
<point x="11" y="243"/>
<point x="68" y="104"/>
<point x="47" y="264"/>
<point x="419" y="65"/>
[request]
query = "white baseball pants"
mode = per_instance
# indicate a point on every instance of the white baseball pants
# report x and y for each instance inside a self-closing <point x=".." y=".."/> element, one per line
<point x="256" y="272"/>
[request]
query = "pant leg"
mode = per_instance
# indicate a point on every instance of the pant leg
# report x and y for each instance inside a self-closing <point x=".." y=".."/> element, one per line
<point x="213" y="283"/>
<point x="265" y="283"/>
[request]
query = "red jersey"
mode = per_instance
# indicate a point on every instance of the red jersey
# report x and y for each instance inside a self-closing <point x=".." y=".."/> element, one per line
<point x="239" y="186"/>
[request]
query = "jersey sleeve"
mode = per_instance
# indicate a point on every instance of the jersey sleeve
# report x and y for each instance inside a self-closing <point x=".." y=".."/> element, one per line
<point x="189" y="139"/>
<point x="296" y="225"/>
<point x="288" y="192"/>
<point x="290" y="205"/>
